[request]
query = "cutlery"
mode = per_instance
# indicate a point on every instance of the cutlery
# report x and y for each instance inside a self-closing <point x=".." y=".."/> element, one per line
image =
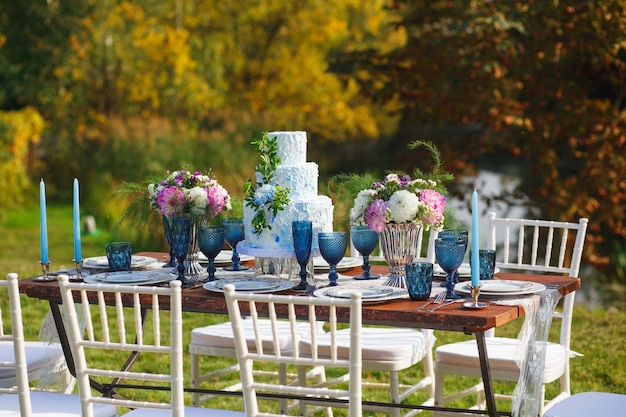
<point x="437" y="300"/>
<point x="447" y="303"/>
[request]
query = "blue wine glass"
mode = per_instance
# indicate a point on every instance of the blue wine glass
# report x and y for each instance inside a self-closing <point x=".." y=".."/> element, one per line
<point x="166" y="228"/>
<point x="234" y="234"/>
<point x="302" y="231"/>
<point x="455" y="234"/>
<point x="210" y="242"/>
<point x="364" y="240"/>
<point x="180" y="228"/>
<point x="450" y="254"/>
<point x="332" y="248"/>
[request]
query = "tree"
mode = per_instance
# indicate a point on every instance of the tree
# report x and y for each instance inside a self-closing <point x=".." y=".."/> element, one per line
<point x="537" y="82"/>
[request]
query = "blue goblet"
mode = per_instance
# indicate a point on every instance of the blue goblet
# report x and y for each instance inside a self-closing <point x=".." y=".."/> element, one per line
<point x="454" y="234"/>
<point x="180" y="228"/>
<point x="364" y="240"/>
<point x="449" y="254"/>
<point x="166" y="228"/>
<point x="234" y="234"/>
<point x="332" y="248"/>
<point x="302" y="231"/>
<point x="210" y="242"/>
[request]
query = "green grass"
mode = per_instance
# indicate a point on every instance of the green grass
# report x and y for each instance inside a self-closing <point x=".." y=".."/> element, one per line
<point x="597" y="333"/>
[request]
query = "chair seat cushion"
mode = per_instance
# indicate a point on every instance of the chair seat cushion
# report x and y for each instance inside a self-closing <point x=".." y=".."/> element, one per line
<point x="587" y="404"/>
<point x="37" y="353"/>
<point x="502" y="353"/>
<point x="51" y="404"/>
<point x="221" y="335"/>
<point x="377" y="344"/>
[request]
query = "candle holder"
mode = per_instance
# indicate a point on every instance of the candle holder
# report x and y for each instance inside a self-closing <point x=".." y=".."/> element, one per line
<point x="475" y="292"/>
<point x="79" y="270"/>
<point x="45" y="269"/>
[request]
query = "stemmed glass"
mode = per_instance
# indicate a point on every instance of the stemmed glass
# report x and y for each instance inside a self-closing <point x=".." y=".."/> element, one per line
<point x="449" y="254"/>
<point x="166" y="228"/>
<point x="302" y="231"/>
<point x="234" y="234"/>
<point x="454" y="234"/>
<point x="210" y="242"/>
<point x="179" y="241"/>
<point x="364" y="240"/>
<point x="332" y="248"/>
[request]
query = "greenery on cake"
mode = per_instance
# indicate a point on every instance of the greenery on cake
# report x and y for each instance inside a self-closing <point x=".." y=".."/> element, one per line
<point x="265" y="198"/>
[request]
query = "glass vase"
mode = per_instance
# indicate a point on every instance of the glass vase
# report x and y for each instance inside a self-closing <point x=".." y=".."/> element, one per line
<point x="399" y="245"/>
<point x="192" y="265"/>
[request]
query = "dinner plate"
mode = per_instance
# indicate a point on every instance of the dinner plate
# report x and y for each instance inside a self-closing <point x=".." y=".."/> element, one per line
<point x="320" y="265"/>
<point x="224" y="257"/>
<point x="283" y="285"/>
<point x="366" y="293"/>
<point x="464" y="271"/>
<point x="249" y="284"/>
<point x="102" y="262"/>
<point x="500" y="288"/>
<point x="371" y="296"/>
<point x="130" y="277"/>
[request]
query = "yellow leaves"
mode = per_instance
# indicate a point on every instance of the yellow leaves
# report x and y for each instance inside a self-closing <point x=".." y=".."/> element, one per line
<point x="18" y="131"/>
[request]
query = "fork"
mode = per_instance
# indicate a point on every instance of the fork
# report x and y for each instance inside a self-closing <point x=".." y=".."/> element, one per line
<point x="437" y="300"/>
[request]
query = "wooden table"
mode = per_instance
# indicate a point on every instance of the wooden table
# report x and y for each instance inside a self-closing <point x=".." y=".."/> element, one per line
<point x="401" y="313"/>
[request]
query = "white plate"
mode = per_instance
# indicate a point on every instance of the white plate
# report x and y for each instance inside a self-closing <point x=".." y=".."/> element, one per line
<point x="224" y="257"/>
<point x="464" y="271"/>
<point x="284" y="285"/>
<point x="130" y="277"/>
<point x="502" y="288"/>
<point x="346" y="263"/>
<point x="103" y="262"/>
<point x="367" y="293"/>
<point x="395" y="293"/>
<point x="249" y="284"/>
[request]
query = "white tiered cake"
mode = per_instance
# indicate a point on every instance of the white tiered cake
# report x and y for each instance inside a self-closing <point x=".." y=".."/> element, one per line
<point x="301" y="178"/>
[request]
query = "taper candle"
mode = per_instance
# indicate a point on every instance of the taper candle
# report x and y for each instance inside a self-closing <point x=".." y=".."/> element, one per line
<point x="78" y="252"/>
<point x="475" y="248"/>
<point x="43" y="223"/>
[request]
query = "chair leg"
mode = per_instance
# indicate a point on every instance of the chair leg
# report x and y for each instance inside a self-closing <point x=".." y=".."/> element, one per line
<point x="195" y="373"/>
<point x="394" y="392"/>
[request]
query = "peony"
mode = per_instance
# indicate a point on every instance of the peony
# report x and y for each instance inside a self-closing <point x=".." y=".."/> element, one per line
<point x="219" y="200"/>
<point x="171" y="201"/>
<point x="436" y="204"/>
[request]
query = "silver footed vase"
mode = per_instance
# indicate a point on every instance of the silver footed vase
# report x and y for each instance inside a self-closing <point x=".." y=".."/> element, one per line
<point x="399" y="245"/>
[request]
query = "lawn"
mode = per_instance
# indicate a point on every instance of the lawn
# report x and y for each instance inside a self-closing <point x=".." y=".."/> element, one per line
<point x="598" y="334"/>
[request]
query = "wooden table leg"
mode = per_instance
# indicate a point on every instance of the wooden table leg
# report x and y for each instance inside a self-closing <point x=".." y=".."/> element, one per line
<point x="484" y="368"/>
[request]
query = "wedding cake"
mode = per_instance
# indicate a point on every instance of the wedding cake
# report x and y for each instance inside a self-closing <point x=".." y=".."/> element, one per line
<point x="300" y="177"/>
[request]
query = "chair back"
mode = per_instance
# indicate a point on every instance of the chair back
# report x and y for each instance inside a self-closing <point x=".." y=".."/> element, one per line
<point x="423" y="256"/>
<point x="537" y="245"/>
<point x="305" y="351"/>
<point x="543" y="246"/>
<point x="116" y="319"/>
<point x="15" y="334"/>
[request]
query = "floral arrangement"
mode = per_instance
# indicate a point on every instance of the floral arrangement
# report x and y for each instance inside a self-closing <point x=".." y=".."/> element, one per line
<point x="265" y="198"/>
<point x="399" y="200"/>
<point x="183" y="193"/>
<point x="403" y="199"/>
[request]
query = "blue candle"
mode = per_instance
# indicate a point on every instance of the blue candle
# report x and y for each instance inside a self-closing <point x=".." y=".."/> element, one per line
<point x="475" y="262"/>
<point x="78" y="253"/>
<point x="43" y="223"/>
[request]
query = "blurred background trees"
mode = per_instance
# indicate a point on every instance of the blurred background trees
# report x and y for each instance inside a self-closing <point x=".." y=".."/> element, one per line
<point x="116" y="90"/>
